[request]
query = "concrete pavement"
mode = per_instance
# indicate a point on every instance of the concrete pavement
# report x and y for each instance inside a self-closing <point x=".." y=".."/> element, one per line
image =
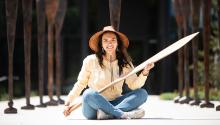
<point x="158" y="112"/>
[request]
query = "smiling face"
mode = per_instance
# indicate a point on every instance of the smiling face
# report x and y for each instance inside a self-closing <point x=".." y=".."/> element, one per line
<point x="109" y="43"/>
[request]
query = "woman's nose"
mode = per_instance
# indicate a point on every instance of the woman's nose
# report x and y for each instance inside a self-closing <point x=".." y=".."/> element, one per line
<point x="109" y="43"/>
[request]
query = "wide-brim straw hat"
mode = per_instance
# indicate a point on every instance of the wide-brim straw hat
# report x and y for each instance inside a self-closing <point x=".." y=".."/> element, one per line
<point x="93" y="41"/>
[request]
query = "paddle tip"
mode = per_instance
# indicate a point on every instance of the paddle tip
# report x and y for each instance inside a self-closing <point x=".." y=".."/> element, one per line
<point x="196" y="33"/>
<point x="191" y="36"/>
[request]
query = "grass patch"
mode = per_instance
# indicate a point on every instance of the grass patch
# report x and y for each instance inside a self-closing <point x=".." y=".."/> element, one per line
<point x="168" y="95"/>
<point x="4" y="96"/>
<point x="214" y="94"/>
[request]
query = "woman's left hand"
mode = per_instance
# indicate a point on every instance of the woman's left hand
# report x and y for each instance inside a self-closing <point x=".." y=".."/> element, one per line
<point x="147" y="68"/>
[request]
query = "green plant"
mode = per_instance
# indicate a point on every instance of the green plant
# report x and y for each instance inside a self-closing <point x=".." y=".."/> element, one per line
<point x="214" y="94"/>
<point x="214" y="53"/>
<point x="168" y="95"/>
<point x="3" y="94"/>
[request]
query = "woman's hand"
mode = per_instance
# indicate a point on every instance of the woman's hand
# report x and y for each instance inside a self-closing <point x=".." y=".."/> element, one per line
<point x="147" y="68"/>
<point x="66" y="111"/>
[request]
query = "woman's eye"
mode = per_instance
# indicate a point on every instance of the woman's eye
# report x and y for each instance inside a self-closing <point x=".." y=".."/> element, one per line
<point x="114" y="40"/>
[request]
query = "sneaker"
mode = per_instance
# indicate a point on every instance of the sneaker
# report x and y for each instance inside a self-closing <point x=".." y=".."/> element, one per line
<point x="102" y="115"/>
<point x="134" y="114"/>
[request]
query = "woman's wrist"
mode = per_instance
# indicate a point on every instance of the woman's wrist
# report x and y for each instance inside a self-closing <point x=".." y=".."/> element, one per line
<point x="144" y="73"/>
<point x="67" y="103"/>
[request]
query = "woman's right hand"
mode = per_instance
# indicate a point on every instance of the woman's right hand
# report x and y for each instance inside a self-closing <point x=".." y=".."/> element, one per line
<point x="69" y="107"/>
<point x="66" y="111"/>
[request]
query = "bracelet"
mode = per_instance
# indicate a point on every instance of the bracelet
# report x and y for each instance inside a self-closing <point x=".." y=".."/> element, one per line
<point x="67" y="104"/>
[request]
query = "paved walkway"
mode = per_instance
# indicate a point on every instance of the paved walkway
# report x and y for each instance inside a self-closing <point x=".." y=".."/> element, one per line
<point x="158" y="112"/>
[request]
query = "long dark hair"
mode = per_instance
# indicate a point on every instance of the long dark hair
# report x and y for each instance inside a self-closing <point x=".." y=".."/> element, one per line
<point x="122" y="55"/>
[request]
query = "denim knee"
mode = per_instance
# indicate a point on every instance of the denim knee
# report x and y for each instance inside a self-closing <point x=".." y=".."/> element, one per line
<point x="88" y="94"/>
<point x="143" y="94"/>
<point x="87" y="111"/>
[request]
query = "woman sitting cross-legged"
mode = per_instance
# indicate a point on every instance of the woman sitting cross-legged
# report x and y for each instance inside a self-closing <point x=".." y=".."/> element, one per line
<point x="109" y="62"/>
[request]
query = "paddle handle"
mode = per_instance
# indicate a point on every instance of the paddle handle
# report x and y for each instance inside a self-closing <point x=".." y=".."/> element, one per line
<point x="75" y="106"/>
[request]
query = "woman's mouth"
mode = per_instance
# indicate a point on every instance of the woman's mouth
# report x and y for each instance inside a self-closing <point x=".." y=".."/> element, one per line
<point x="109" y="47"/>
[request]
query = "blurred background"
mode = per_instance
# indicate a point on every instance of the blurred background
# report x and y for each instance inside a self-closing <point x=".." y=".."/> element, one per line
<point x="149" y="24"/>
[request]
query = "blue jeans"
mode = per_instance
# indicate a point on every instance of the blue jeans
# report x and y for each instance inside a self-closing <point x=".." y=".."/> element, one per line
<point x="92" y="101"/>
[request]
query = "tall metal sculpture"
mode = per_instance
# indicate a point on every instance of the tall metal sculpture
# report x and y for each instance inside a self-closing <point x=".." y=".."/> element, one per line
<point x="51" y="10"/>
<point x="206" y="39"/>
<point x="11" y="17"/>
<point x="195" y="7"/>
<point x="218" y="107"/>
<point x="179" y="20"/>
<point x="27" y="19"/>
<point x="40" y="9"/>
<point x="84" y="27"/>
<point x="186" y="14"/>
<point x="115" y="13"/>
<point x="58" y="27"/>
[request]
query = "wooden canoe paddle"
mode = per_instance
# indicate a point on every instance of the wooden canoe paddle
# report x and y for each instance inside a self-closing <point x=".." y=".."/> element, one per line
<point x="165" y="52"/>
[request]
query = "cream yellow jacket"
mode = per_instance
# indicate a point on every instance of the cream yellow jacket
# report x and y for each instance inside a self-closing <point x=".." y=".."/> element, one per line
<point x="95" y="77"/>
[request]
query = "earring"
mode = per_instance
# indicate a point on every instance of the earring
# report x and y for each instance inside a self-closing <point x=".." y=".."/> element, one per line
<point x="117" y="49"/>
<point x="103" y="51"/>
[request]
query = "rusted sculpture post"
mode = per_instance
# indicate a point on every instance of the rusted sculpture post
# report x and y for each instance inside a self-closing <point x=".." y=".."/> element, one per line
<point x="219" y="19"/>
<point x="115" y="12"/>
<point x="180" y="70"/>
<point x="40" y="9"/>
<point x="51" y="9"/>
<point x="11" y="17"/>
<point x="218" y="107"/>
<point x="58" y="27"/>
<point x="179" y="20"/>
<point x="195" y="6"/>
<point x="27" y="19"/>
<point x="206" y="38"/>
<point x="84" y="27"/>
<point x="186" y="13"/>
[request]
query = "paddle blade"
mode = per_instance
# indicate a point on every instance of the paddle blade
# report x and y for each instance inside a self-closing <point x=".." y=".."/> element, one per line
<point x="165" y="52"/>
